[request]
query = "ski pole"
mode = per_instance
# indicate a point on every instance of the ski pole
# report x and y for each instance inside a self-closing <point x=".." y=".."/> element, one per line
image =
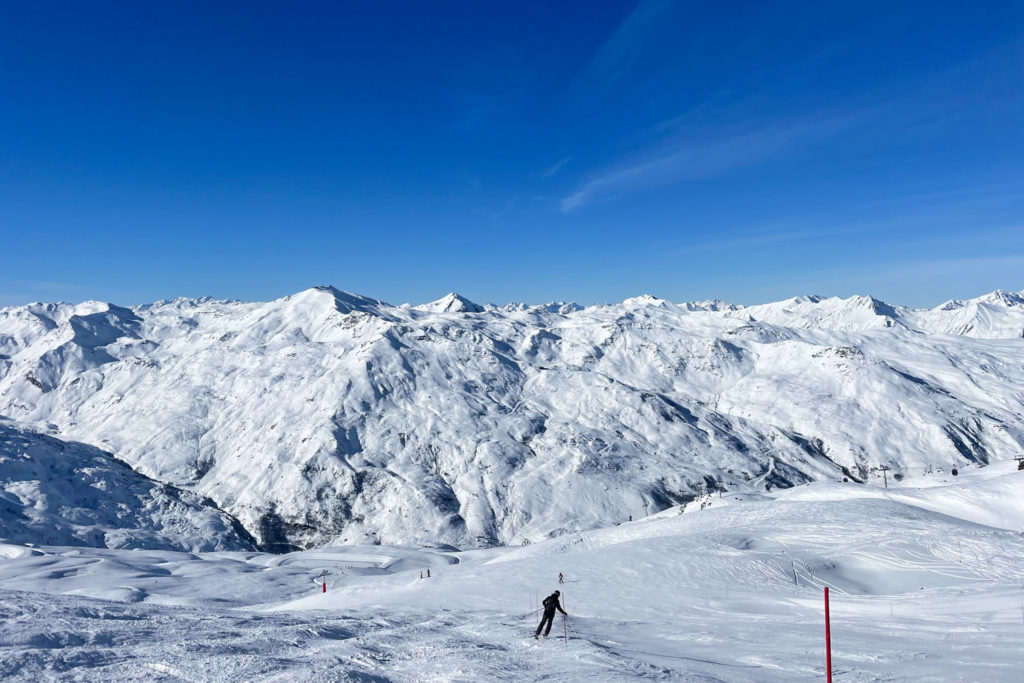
<point x="565" y="628"/>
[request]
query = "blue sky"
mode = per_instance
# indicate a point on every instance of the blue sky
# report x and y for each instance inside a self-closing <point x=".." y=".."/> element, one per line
<point x="511" y="152"/>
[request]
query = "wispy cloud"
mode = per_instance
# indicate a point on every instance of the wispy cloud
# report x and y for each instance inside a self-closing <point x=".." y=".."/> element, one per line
<point x="676" y="160"/>
<point x="555" y="167"/>
<point x="960" y="195"/>
<point x="943" y="267"/>
<point x="741" y="242"/>
<point x="893" y="227"/>
<point x="618" y="54"/>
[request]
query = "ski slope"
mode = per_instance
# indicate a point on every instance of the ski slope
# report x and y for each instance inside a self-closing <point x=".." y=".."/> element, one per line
<point x="926" y="577"/>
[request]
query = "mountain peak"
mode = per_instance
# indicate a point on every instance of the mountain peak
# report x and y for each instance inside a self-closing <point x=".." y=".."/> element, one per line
<point x="344" y="302"/>
<point x="997" y="298"/>
<point x="1002" y="298"/>
<point x="711" y="305"/>
<point x="452" y="303"/>
<point x="645" y="300"/>
<point x="854" y="313"/>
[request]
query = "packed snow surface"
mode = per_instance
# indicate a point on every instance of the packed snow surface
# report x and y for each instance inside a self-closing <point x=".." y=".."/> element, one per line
<point x="331" y="418"/>
<point x="926" y="581"/>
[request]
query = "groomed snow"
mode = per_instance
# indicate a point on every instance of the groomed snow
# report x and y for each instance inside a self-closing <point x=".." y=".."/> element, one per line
<point x="926" y="577"/>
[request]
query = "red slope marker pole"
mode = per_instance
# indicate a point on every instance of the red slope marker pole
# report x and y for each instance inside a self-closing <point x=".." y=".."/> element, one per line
<point x="828" y="640"/>
<point x="325" y="585"/>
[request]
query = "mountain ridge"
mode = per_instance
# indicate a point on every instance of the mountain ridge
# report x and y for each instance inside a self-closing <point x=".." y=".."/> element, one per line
<point x="331" y="417"/>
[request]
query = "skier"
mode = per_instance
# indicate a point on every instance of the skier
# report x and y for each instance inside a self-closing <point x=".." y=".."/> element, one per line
<point x="560" y="579"/>
<point x="550" y="605"/>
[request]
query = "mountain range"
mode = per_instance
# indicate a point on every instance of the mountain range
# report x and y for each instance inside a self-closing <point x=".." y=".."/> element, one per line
<point x="328" y="417"/>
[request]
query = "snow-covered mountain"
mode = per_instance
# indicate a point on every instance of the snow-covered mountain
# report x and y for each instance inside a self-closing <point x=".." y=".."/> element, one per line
<point x="329" y="417"/>
<point x="993" y="316"/>
<point x="55" y="492"/>
<point x="452" y="303"/>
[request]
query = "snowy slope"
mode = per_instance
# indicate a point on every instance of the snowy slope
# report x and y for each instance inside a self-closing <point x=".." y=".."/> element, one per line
<point x="332" y="418"/>
<point x="993" y="316"/>
<point x="729" y="590"/>
<point x="56" y="492"/>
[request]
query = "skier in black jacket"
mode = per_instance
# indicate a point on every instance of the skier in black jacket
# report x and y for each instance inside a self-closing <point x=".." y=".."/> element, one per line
<point x="550" y="605"/>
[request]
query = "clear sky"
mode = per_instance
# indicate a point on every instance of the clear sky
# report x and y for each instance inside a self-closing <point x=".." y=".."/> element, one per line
<point x="527" y="151"/>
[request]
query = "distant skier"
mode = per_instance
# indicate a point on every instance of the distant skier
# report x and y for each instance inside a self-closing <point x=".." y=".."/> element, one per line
<point x="550" y="605"/>
<point x="428" y="573"/>
<point x="560" y="579"/>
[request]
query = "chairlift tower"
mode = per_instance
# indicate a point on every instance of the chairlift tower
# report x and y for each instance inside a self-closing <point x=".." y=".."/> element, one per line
<point x="885" y="477"/>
